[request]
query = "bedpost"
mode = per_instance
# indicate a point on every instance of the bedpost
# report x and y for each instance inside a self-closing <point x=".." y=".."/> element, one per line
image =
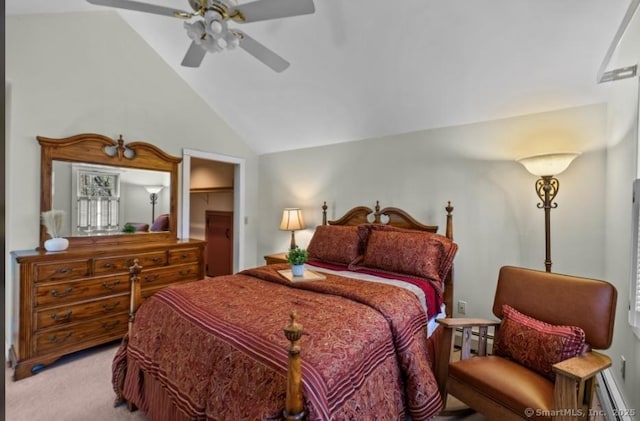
<point x="448" y="282"/>
<point x="136" y="295"/>
<point x="449" y="230"/>
<point x="324" y="213"/>
<point x="294" y="406"/>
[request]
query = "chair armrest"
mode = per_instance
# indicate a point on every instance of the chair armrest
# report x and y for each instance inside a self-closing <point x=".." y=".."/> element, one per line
<point x="455" y="322"/>
<point x="575" y="381"/>
<point x="583" y="366"/>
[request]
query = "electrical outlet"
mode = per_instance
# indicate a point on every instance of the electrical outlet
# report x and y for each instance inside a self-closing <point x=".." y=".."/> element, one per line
<point x="462" y="307"/>
<point x="623" y="367"/>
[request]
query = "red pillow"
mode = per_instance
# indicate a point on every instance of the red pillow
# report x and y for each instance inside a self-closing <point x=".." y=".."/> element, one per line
<point x="411" y="252"/>
<point x="161" y="223"/>
<point x="335" y="244"/>
<point x="536" y="344"/>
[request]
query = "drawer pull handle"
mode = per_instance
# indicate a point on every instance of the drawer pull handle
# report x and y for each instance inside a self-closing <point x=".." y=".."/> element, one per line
<point x="110" y="285"/>
<point x="184" y="255"/>
<point x="55" y="293"/>
<point x="107" y="266"/>
<point x="63" y="271"/>
<point x="185" y="272"/>
<point x="64" y="318"/>
<point x="56" y="340"/>
<point x="157" y="259"/>
<point x="110" y="326"/>
<point x="151" y="278"/>
<point x="110" y="307"/>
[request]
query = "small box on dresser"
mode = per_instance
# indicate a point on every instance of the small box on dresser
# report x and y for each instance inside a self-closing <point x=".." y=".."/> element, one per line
<point x="69" y="301"/>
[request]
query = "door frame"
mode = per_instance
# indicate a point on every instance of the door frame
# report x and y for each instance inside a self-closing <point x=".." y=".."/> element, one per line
<point x="239" y="193"/>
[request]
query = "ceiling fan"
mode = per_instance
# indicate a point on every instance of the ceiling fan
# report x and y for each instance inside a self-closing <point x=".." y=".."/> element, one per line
<point x="211" y="33"/>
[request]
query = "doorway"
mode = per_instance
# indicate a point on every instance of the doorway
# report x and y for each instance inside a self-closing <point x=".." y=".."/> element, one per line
<point x="225" y="192"/>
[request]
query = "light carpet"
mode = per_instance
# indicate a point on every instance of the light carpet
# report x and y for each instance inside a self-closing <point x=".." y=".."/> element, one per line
<point x="78" y="388"/>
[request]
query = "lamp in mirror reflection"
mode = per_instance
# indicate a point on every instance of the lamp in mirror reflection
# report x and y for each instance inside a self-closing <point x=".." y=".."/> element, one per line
<point x="547" y="166"/>
<point x="292" y="221"/>
<point x="153" y="196"/>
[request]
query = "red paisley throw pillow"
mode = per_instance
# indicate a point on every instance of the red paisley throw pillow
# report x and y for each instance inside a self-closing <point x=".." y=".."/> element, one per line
<point x="335" y="244"/>
<point x="410" y="252"/>
<point x="536" y="344"/>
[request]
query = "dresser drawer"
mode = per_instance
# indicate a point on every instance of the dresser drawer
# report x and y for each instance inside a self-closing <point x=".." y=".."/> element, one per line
<point x="105" y="265"/>
<point x="83" y="289"/>
<point x="165" y="276"/>
<point x="187" y="255"/>
<point x="55" y="339"/>
<point x="64" y="315"/>
<point x="67" y="270"/>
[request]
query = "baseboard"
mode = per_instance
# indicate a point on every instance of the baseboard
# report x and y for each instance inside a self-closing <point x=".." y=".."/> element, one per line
<point x="611" y="400"/>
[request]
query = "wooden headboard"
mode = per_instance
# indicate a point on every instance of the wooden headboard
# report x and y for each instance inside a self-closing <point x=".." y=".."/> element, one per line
<point x="397" y="218"/>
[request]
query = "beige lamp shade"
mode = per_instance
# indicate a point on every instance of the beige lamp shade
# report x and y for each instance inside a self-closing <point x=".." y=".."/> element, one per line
<point x="292" y="220"/>
<point x="548" y="164"/>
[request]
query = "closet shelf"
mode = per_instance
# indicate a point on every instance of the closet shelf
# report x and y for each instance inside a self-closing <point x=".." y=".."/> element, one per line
<point x="210" y="189"/>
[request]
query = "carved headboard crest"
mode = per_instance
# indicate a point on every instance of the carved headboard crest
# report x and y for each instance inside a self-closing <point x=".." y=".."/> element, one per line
<point x="387" y="216"/>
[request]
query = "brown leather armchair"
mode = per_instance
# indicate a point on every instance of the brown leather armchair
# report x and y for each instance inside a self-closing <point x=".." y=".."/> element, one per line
<point x="502" y="388"/>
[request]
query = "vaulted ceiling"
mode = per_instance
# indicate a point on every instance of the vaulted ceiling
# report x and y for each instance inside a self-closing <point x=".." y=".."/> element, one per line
<point x="369" y="68"/>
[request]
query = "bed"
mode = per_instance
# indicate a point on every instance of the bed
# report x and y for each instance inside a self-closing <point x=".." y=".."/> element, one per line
<point x="215" y="349"/>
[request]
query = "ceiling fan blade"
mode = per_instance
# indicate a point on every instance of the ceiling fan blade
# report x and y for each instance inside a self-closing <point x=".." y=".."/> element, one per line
<point x="272" y="9"/>
<point x="142" y="7"/>
<point x="194" y="55"/>
<point x="262" y="53"/>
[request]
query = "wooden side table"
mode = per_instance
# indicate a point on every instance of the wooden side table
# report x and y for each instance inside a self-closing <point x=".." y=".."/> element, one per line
<point x="272" y="259"/>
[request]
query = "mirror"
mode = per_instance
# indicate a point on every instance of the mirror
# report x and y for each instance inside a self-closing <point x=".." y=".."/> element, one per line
<point x="103" y="186"/>
<point x="102" y="200"/>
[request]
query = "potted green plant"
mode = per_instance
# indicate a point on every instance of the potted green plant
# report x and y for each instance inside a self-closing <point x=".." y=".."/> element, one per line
<point x="128" y="228"/>
<point x="297" y="257"/>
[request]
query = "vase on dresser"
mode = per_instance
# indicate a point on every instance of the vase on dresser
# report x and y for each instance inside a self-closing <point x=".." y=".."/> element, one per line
<point x="56" y="244"/>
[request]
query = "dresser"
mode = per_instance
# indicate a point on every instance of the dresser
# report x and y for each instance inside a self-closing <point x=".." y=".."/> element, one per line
<point x="72" y="300"/>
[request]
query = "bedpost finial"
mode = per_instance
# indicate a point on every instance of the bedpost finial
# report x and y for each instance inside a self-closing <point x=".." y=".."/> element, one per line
<point x="449" y="208"/>
<point x="293" y="331"/>
<point x="324" y="213"/>
<point x="376" y="213"/>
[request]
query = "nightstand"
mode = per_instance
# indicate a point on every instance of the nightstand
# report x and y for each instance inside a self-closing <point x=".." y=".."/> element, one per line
<point x="275" y="258"/>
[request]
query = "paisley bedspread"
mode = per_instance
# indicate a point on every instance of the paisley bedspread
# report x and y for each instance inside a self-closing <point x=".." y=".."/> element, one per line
<point x="214" y="349"/>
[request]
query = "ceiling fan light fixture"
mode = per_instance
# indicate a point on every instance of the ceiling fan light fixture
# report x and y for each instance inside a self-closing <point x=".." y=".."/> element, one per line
<point x="211" y="45"/>
<point x="215" y="23"/>
<point x="216" y="27"/>
<point x="233" y="40"/>
<point x="195" y="31"/>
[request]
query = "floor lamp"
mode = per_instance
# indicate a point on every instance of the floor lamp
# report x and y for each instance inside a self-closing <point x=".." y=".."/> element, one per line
<point x="546" y="167"/>
<point x="153" y="197"/>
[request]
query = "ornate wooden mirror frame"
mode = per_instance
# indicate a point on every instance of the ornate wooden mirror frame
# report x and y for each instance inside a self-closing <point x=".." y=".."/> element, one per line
<point x="90" y="148"/>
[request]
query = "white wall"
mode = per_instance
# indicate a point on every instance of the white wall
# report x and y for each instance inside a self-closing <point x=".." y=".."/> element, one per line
<point x="621" y="169"/>
<point x="90" y="72"/>
<point x="496" y="221"/>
